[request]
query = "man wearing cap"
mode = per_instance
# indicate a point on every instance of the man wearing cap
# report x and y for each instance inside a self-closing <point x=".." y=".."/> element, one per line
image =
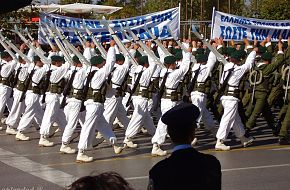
<point x="202" y="85"/>
<point x="6" y="75"/>
<point x="95" y="106"/>
<point x="141" y="116"/>
<point x="52" y="111"/>
<point x="20" y="75"/>
<point x="186" y="168"/>
<point x="264" y="69"/>
<point x="33" y="110"/>
<point x="74" y="101"/>
<point x="232" y="74"/>
<point x="116" y="91"/>
<point x="170" y="98"/>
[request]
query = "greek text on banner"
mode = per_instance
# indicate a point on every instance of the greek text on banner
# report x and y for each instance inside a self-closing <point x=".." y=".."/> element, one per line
<point x="157" y="23"/>
<point x="237" y="28"/>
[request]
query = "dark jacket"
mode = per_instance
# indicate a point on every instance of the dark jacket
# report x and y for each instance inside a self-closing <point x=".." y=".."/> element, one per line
<point x="187" y="169"/>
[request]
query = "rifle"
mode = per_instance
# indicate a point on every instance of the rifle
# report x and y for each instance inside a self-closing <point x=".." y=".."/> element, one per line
<point x="26" y="83"/>
<point x="86" y="88"/>
<point x="223" y="87"/>
<point x="136" y="83"/>
<point x="67" y="88"/>
<point x="161" y="89"/>
<point x="46" y="84"/>
<point x="191" y="85"/>
<point x="14" y="82"/>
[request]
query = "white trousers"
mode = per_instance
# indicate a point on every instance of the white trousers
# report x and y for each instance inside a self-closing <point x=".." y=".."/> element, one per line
<point x="72" y="112"/>
<point x="16" y="110"/>
<point x="33" y="110"/>
<point x="161" y="131"/>
<point x="52" y="114"/>
<point x="140" y="117"/>
<point x="230" y="119"/>
<point x="199" y="99"/>
<point x="5" y="99"/>
<point x="94" y="119"/>
<point x="114" y="108"/>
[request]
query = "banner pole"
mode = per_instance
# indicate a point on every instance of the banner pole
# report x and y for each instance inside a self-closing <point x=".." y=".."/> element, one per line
<point x="212" y="22"/>
<point x="179" y="11"/>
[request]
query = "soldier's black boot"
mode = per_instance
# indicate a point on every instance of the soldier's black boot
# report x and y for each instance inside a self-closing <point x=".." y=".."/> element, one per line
<point x="283" y="141"/>
<point x="277" y="127"/>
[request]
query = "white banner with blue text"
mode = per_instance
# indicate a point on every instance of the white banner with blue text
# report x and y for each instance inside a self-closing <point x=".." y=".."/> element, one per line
<point x="233" y="27"/>
<point x="158" y="23"/>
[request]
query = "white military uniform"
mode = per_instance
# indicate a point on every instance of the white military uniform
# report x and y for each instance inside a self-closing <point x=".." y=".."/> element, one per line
<point x="72" y="109"/>
<point x="94" y="110"/>
<point x="17" y="106"/>
<point x="199" y="99"/>
<point x="52" y="110"/>
<point x="33" y="108"/>
<point x="171" y="83"/>
<point x="231" y="118"/>
<point x="113" y="105"/>
<point x="6" y="70"/>
<point x="141" y="115"/>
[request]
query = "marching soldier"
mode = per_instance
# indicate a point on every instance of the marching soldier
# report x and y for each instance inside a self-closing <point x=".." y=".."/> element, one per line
<point x="6" y="76"/>
<point x="232" y="74"/>
<point x="33" y="110"/>
<point x="52" y="111"/>
<point x="95" y="106"/>
<point x="77" y="75"/>
<point x="169" y="99"/>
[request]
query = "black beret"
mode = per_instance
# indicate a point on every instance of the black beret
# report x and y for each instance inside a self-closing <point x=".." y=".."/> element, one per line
<point x="36" y="58"/>
<point x="96" y="60"/>
<point x="200" y="51"/>
<point x="182" y="115"/>
<point x="230" y="50"/>
<point x="137" y="54"/>
<point x="75" y="59"/>
<point x="178" y="55"/>
<point x="57" y="58"/>
<point x="5" y="54"/>
<point x="120" y="57"/>
<point x="143" y="60"/>
<point x="235" y="55"/>
<point x="201" y="58"/>
<point x="262" y="49"/>
<point x="169" y="59"/>
<point x="267" y="56"/>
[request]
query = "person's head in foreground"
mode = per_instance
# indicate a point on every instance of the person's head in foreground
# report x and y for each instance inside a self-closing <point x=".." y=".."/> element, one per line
<point x="181" y="122"/>
<point x="103" y="181"/>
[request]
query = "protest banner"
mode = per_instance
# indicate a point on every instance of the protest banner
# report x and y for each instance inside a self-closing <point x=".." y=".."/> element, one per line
<point x="157" y="23"/>
<point x="235" y="27"/>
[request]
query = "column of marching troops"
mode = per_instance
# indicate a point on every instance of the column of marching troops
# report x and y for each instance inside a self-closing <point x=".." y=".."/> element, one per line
<point x="40" y="88"/>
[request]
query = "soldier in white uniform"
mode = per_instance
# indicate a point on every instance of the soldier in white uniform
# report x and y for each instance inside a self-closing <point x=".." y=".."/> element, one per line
<point x="33" y="110"/>
<point x="6" y="73"/>
<point x="170" y="97"/>
<point x="231" y="118"/>
<point x="203" y="69"/>
<point x="95" y="106"/>
<point x="115" y="92"/>
<point x="74" y="101"/>
<point x="141" y="116"/>
<point x="52" y="110"/>
<point x="20" y="75"/>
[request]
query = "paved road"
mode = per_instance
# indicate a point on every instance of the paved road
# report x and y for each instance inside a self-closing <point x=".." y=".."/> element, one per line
<point x="24" y="165"/>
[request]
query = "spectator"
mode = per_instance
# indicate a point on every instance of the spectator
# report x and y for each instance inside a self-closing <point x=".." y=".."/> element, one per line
<point x="186" y="168"/>
<point x="103" y="181"/>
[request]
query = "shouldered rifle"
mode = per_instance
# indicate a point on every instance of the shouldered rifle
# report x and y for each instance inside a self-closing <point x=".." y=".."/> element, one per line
<point x="131" y="40"/>
<point x="177" y="40"/>
<point x="118" y="41"/>
<point x="26" y="84"/>
<point x="42" y="57"/>
<point x="32" y="39"/>
<point x="8" y="50"/>
<point x="86" y="88"/>
<point x="79" y="38"/>
<point x="136" y="83"/>
<point x="223" y="86"/>
<point x="46" y="37"/>
<point x="167" y="53"/>
<point x="191" y="84"/>
<point x="148" y="51"/>
<point x="98" y="45"/>
<point x="46" y="84"/>
<point x="67" y="88"/>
